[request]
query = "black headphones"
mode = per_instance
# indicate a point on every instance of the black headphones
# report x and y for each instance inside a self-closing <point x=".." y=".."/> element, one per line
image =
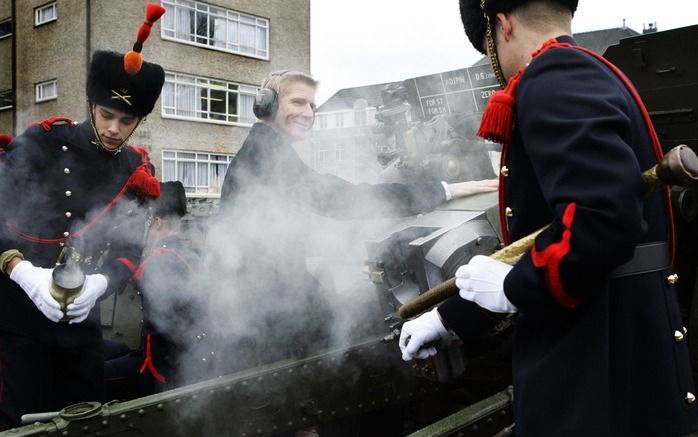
<point x="266" y="102"/>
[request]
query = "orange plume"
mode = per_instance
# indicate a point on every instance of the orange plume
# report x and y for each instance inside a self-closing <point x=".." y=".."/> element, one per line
<point x="133" y="61"/>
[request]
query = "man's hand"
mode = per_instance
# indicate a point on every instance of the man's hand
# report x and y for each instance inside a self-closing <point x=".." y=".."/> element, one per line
<point x="92" y="290"/>
<point x="463" y="189"/>
<point x="482" y="281"/>
<point x="36" y="283"/>
<point x="417" y="333"/>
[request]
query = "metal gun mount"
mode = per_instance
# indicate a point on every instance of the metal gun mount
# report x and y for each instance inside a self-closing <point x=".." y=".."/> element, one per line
<point x="411" y="258"/>
<point x="428" y="127"/>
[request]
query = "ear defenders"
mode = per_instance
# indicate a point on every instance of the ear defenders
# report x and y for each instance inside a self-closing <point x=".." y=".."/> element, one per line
<point x="266" y="102"/>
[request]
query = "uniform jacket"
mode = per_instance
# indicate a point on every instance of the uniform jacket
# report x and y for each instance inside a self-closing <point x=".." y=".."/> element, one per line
<point x="593" y="355"/>
<point x="56" y="188"/>
<point x="171" y="305"/>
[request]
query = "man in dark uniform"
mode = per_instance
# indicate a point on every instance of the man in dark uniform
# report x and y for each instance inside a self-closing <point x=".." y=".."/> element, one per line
<point x="171" y="306"/>
<point x="80" y="187"/>
<point x="599" y="346"/>
<point x="268" y="198"/>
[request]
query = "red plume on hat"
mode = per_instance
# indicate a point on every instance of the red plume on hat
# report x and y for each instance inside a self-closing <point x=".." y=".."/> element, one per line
<point x="133" y="59"/>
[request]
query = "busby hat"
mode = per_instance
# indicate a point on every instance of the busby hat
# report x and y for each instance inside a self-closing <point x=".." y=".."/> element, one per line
<point x="125" y="82"/>
<point x="472" y="13"/>
<point x="172" y="200"/>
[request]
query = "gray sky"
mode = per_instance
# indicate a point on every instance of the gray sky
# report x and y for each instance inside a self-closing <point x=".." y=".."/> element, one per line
<point x="363" y="42"/>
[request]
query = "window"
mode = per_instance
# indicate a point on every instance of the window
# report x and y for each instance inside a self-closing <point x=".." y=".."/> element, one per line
<point x="46" y="90"/>
<point x="45" y="14"/>
<point x="322" y="154"/>
<point x="339" y="151"/>
<point x="320" y="121"/>
<point x="198" y="23"/>
<point x="336" y="119"/>
<point x="200" y="173"/>
<point x="5" y="27"/>
<point x="5" y="99"/>
<point x="202" y="99"/>
<point x="360" y="117"/>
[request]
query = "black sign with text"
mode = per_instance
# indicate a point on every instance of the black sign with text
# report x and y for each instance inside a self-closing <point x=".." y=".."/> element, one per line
<point x="464" y="91"/>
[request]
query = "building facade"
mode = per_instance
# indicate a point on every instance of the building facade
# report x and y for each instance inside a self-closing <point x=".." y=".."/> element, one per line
<point x="215" y="53"/>
<point x="348" y="140"/>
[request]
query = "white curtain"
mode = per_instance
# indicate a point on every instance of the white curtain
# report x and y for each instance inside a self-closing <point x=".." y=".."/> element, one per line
<point x="248" y="35"/>
<point x="184" y="17"/>
<point x="187" y="97"/>
<point x="247" y="94"/>
<point x="185" y="173"/>
<point x="169" y="170"/>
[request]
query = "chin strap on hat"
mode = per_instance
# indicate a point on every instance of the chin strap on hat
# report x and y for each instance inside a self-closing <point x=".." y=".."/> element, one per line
<point x="491" y="49"/>
<point x="133" y="59"/>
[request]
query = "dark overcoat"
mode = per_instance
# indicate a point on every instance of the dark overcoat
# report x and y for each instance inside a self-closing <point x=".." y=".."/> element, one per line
<point x="268" y="201"/>
<point x="59" y="189"/>
<point x="595" y="354"/>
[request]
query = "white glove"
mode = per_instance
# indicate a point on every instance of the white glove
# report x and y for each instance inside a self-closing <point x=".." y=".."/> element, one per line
<point x="36" y="283"/>
<point x="482" y="281"/>
<point x="93" y="289"/>
<point x="417" y="333"/>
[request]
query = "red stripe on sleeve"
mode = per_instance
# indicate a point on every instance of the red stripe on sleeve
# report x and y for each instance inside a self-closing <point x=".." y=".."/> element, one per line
<point x="550" y="258"/>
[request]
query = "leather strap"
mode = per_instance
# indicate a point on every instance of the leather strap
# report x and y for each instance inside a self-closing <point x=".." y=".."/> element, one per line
<point x="648" y="257"/>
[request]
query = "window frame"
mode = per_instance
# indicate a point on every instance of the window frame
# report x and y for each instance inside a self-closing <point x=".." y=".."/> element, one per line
<point x="322" y="153"/>
<point x="196" y="190"/>
<point x="39" y="85"/>
<point x="9" y="34"/>
<point x="204" y="9"/>
<point x="37" y="11"/>
<point x="10" y="92"/>
<point x="173" y="78"/>
<point x="340" y="151"/>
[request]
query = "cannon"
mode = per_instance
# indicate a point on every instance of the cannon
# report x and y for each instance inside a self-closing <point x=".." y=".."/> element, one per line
<point x="462" y="389"/>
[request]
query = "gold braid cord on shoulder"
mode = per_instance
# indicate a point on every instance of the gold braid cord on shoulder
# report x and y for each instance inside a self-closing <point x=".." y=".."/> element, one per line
<point x="491" y="49"/>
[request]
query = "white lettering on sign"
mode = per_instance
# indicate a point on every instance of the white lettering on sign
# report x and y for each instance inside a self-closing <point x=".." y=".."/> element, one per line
<point x="435" y="106"/>
<point x="455" y="80"/>
<point x="484" y="75"/>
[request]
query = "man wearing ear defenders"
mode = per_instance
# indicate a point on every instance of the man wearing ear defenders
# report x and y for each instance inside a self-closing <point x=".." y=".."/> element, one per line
<point x="268" y="201"/>
<point x="269" y="192"/>
<point x="286" y="108"/>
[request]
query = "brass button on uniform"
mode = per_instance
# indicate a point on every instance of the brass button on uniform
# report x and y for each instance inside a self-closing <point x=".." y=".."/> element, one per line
<point x="66" y="234"/>
<point x="672" y="279"/>
<point x="504" y="170"/>
<point x="64" y="148"/>
<point x="685" y="330"/>
<point x="678" y="336"/>
<point x="61" y="244"/>
<point x="690" y="397"/>
<point x="68" y="214"/>
<point x="508" y="212"/>
<point x="68" y="193"/>
<point x="66" y="170"/>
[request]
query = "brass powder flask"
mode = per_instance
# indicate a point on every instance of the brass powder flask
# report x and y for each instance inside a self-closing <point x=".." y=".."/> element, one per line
<point x="67" y="279"/>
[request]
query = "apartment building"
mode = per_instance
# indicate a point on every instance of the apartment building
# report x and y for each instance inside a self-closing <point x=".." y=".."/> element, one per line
<point x="347" y="137"/>
<point x="215" y="54"/>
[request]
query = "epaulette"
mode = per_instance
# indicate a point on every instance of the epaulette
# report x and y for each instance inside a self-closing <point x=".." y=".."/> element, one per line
<point x="4" y="141"/>
<point x="51" y="121"/>
<point x="142" y="152"/>
<point x="142" y="181"/>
